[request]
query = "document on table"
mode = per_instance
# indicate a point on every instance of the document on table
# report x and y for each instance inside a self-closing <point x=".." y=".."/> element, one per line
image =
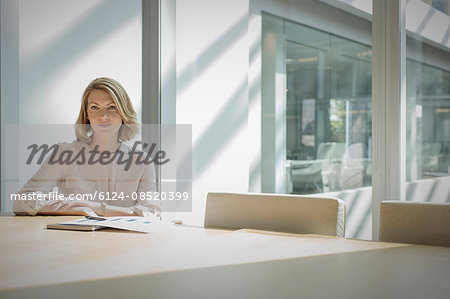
<point x="138" y="224"/>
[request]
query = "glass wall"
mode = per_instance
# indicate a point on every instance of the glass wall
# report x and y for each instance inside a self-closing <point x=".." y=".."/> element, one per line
<point x="428" y="104"/>
<point x="328" y="111"/>
<point x="427" y="121"/>
<point x="317" y="108"/>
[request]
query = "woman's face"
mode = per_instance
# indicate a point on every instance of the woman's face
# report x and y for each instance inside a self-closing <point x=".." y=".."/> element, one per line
<point x="102" y="112"/>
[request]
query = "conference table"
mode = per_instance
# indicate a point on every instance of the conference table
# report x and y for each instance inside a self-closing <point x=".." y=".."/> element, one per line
<point x="193" y="262"/>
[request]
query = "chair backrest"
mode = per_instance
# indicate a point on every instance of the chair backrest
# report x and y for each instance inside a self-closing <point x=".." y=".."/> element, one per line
<point x="275" y="212"/>
<point x="325" y="150"/>
<point x="338" y="151"/>
<point x="355" y="151"/>
<point x="415" y="223"/>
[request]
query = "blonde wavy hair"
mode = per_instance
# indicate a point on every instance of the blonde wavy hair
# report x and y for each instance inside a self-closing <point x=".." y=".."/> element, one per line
<point x="130" y="125"/>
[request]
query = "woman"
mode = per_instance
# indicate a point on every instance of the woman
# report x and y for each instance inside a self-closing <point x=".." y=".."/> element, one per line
<point x="91" y="186"/>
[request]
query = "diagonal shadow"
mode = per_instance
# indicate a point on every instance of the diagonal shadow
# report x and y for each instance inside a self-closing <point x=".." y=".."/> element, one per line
<point x="352" y="204"/>
<point x="446" y="38"/>
<point x="234" y="115"/>
<point x="223" y="129"/>
<point x="211" y="54"/>
<point x="106" y="18"/>
<point x="410" y="190"/>
<point x="253" y="177"/>
<point x="365" y="222"/>
<point x="254" y="52"/>
<point x="254" y="89"/>
<point x="425" y="20"/>
<point x="432" y="193"/>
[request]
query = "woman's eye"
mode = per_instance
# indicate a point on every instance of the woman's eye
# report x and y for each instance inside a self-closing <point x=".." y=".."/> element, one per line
<point x="94" y="107"/>
<point x="112" y="108"/>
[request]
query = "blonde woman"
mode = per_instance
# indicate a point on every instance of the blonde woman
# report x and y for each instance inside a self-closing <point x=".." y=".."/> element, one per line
<point x="97" y="174"/>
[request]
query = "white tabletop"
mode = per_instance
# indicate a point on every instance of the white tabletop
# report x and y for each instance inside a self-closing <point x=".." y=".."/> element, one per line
<point x="189" y="262"/>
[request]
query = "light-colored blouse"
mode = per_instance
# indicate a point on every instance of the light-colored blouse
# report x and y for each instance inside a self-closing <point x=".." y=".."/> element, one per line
<point x="108" y="183"/>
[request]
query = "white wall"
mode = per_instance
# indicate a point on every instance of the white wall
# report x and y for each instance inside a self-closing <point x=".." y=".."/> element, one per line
<point x="212" y="94"/>
<point x="64" y="44"/>
<point x="54" y="48"/>
<point x="9" y="78"/>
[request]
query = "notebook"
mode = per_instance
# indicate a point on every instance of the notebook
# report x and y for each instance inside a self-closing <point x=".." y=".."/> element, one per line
<point x="138" y="224"/>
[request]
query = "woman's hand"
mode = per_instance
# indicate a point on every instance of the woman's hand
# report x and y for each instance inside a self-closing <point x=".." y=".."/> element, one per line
<point x="96" y="207"/>
<point x="103" y="209"/>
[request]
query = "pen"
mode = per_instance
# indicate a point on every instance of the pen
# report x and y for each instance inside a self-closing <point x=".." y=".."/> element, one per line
<point x="95" y="218"/>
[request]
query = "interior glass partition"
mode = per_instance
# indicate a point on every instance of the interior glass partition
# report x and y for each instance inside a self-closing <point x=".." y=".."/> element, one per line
<point x="427" y="102"/>
<point x="328" y="111"/>
<point x="317" y="112"/>
<point x="317" y="82"/>
<point x="428" y="121"/>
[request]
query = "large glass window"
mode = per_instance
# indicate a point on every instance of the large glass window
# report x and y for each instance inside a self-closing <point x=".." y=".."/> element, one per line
<point x="428" y="121"/>
<point x="428" y="103"/>
<point x="328" y="111"/>
<point x="317" y="113"/>
<point x="317" y="110"/>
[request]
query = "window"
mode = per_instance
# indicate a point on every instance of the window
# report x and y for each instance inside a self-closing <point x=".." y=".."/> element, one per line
<point x="427" y="102"/>
<point x="428" y="121"/>
<point x="317" y="134"/>
<point x="328" y="111"/>
<point x="326" y="114"/>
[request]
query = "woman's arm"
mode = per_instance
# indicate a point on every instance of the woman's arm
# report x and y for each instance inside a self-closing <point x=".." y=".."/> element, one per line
<point x="36" y="197"/>
<point x="32" y="197"/>
<point x="43" y="205"/>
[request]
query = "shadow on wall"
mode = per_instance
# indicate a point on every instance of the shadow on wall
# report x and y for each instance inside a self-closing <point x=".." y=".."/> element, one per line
<point x="254" y="90"/>
<point x="41" y="68"/>
<point x="211" y="54"/>
<point x="108" y="17"/>
<point x="234" y="115"/>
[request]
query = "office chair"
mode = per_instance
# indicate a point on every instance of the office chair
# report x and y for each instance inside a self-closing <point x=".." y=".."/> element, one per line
<point x="415" y="223"/>
<point x="276" y="212"/>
